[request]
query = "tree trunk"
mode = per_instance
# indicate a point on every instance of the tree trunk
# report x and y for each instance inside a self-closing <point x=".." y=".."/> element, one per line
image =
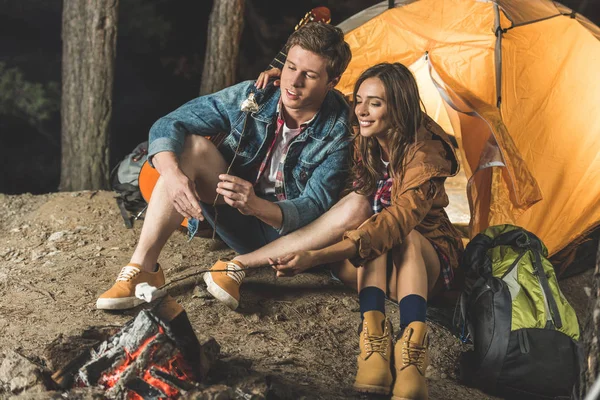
<point x="222" y="47"/>
<point x="591" y="334"/>
<point x="89" y="33"/>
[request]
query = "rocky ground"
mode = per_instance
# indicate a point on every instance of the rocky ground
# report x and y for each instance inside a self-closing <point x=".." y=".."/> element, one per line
<point x="293" y="338"/>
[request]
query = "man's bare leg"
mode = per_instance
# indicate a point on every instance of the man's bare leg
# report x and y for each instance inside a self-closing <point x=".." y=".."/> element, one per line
<point x="202" y="163"/>
<point x="347" y="214"/>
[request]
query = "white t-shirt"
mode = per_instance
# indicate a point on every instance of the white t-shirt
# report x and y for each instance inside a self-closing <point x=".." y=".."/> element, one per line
<point x="266" y="183"/>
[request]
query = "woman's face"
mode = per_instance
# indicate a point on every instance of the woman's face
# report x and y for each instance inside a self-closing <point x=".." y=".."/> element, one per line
<point x="371" y="109"/>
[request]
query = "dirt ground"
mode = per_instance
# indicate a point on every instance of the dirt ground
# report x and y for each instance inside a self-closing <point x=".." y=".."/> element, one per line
<point x="58" y="252"/>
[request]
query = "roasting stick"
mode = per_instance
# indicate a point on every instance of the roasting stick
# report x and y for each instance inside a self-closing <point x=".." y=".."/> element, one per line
<point x="149" y="293"/>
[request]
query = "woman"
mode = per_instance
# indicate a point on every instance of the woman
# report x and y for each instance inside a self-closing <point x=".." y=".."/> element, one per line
<point x="407" y="250"/>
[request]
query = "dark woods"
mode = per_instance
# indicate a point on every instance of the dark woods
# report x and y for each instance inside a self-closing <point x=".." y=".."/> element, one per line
<point x="160" y="53"/>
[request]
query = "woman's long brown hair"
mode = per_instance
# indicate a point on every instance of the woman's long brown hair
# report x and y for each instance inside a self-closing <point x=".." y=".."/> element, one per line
<point x="404" y="115"/>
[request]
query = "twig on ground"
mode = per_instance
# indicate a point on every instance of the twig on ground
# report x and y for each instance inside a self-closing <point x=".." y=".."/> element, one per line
<point x="36" y="289"/>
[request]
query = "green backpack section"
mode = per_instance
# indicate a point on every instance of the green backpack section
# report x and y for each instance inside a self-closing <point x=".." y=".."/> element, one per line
<point x="523" y="329"/>
<point x="537" y="301"/>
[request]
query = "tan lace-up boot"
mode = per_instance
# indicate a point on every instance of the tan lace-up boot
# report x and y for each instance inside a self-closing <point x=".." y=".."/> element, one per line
<point x="411" y="359"/>
<point x="374" y="374"/>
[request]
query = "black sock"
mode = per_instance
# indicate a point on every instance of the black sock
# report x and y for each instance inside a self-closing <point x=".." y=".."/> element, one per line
<point x="371" y="298"/>
<point x="412" y="308"/>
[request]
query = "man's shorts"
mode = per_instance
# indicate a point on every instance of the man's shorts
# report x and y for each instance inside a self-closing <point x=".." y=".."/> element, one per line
<point x="242" y="233"/>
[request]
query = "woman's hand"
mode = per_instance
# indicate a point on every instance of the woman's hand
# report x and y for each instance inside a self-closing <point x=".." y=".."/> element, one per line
<point x="266" y="76"/>
<point x="294" y="263"/>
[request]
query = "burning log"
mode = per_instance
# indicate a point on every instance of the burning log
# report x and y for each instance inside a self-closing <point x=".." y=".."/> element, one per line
<point x="155" y="355"/>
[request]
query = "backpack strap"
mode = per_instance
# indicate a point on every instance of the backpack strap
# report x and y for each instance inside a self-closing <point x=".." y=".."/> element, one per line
<point x="475" y="260"/>
<point x="493" y="360"/>
<point x="541" y="274"/>
<point x="124" y="213"/>
<point x="527" y="240"/>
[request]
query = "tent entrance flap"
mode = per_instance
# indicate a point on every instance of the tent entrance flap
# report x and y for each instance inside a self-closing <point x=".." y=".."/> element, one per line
<point x="491" y="184"/>
<point x="541" y="71"/>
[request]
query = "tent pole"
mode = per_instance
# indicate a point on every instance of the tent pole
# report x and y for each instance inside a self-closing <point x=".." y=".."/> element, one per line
<point x="498" y="55"/>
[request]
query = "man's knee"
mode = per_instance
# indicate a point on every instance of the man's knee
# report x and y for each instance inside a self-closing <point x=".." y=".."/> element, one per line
<point x="196" y="145"/>
<point x="199" y="155"/>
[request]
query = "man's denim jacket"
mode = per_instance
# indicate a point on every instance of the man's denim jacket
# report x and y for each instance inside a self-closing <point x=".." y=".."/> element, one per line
<point x="316" y="165"/>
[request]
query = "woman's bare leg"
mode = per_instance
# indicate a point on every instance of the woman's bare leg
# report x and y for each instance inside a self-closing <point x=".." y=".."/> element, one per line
<point x="416" y="269"/>
<point x="347" y="214"/>
<point x="372" y="274"/>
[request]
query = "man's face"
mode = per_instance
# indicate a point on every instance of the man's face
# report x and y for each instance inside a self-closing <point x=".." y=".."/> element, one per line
<point x="304" y="80"/>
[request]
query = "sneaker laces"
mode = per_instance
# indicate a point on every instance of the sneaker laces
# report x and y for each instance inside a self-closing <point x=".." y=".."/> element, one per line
<point x="235" y="272"/>
<point x="127" y="273"/>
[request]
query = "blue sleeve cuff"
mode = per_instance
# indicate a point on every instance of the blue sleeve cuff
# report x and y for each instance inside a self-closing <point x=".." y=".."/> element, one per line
<point x="163" y="144"/>
<point x="291" y="217"/>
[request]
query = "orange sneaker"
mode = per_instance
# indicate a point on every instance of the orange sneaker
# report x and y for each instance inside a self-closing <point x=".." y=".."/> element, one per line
<point x="121" y="296"/>
<point x="225" y="285"/>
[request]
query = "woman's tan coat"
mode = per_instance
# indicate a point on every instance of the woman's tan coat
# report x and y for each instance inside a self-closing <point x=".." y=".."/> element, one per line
<point x="418" y="201"/>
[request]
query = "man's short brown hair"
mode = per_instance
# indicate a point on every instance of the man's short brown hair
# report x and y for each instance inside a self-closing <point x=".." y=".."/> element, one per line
<point x="325" y="40"/>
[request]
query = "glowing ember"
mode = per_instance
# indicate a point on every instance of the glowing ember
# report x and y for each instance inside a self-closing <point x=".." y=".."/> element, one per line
<point x="142" y="358"/>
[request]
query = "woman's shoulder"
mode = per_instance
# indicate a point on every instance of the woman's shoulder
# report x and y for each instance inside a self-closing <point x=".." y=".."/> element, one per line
<point x="431" y="156"/>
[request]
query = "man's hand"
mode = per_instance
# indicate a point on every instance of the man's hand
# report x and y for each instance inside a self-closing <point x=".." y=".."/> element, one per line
<point x="182" y="192"/>
<point x="238" y="193"/>
<point x="265" y="76"/>
<point x="293" y="264"/>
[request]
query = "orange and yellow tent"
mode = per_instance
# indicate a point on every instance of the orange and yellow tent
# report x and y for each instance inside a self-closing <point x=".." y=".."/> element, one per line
<point x="517" y="83"/>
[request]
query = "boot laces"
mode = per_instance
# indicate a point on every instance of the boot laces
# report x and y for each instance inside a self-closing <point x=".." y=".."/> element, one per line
<point x="375" y="343"/>
<point x="127" y="273"/>
<point x="234" y="273"/>
<point x="413" y="354"/>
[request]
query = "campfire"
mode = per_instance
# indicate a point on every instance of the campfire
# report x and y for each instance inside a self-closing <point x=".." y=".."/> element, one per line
<point x="154" y="356"/>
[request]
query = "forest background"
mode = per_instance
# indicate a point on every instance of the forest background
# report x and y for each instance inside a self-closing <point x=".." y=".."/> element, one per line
<point x="160" y="53"/>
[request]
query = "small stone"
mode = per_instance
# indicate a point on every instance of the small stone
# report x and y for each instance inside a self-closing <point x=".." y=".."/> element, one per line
<point x="430" y="372"/>
<point x="351" y="304"/>
<point x="280" y="317"/>
<point x="37" y="254"/>
<point x="254" y="318"/>
<point x="201" y="293"/>
<point x="443" y="375"/>
<point x="17" y="373"/>
<point x="57" y="236"/>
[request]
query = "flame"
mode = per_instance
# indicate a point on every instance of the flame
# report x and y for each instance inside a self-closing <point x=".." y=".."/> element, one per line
<point x="175" y="366"/>
<point x="110" y="379"/>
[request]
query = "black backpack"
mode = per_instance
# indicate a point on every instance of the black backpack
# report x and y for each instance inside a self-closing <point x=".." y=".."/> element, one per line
<point x="524" y="331"/>
<point x="124" y="181"/>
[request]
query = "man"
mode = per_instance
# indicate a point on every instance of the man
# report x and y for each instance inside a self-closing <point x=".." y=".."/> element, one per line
<point x="288" y="158"/>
